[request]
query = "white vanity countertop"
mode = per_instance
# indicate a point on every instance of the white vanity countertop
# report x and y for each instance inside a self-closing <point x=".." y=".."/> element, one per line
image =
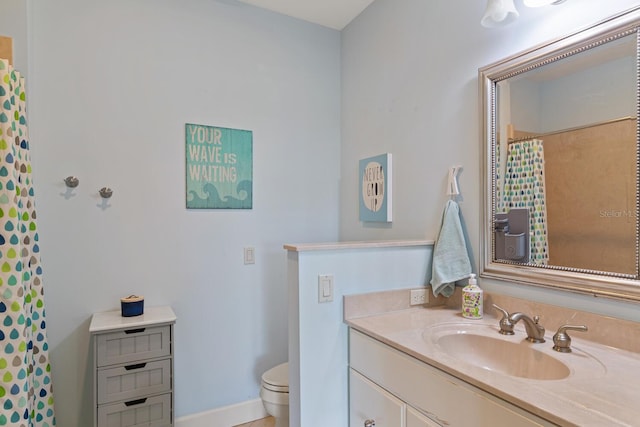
<point x="605" y="396"/>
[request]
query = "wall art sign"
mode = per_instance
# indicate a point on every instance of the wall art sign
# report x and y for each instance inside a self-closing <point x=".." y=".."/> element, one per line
<point x="375" y="188"/>
<point x="219" y="167"/>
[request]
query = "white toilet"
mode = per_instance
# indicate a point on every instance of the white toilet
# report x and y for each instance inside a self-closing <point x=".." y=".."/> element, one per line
<point x="274" y="393"/>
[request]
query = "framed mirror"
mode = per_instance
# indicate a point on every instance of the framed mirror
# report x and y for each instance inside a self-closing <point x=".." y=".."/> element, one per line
<point x="561" y="162"/>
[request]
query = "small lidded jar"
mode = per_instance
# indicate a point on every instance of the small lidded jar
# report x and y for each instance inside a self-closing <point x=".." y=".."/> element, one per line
<point x="133" y="305"/>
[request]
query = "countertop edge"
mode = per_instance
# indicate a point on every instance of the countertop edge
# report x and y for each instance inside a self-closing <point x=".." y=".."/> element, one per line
<point x="324" y="246"/>
<point x="113" y="320"/>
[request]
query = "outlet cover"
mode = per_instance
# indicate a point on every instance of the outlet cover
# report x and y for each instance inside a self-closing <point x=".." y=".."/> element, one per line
<point x="419" y="296"/>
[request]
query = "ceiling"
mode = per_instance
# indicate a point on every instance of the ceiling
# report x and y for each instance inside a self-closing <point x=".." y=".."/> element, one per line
<point x="334" y="14"/>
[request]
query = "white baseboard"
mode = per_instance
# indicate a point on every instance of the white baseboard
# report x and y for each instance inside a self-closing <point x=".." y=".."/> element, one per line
<point x="227" y="416"/>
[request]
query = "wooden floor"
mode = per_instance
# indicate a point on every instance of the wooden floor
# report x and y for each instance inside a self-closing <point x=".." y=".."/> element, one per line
<point x="265" y="422"/>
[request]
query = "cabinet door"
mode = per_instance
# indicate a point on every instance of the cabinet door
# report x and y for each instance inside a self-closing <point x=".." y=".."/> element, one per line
<point x="370" y="402"/>
<point x="416" y="419"/>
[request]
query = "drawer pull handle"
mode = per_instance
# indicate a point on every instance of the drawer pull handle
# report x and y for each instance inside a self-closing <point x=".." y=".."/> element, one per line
<point x="134" y="331"/>
<point x="136" y="366"/>
<point x="135" y="402"/>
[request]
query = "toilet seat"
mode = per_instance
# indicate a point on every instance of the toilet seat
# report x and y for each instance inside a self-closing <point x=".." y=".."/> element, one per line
<point x="277" y="379"/>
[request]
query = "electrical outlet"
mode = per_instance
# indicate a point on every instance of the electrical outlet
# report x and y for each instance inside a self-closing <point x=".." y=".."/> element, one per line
<point x="419" y="296"/>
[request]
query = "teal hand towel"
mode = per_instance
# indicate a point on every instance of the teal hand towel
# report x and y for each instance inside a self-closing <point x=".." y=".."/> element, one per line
<point x="450" y="257"/>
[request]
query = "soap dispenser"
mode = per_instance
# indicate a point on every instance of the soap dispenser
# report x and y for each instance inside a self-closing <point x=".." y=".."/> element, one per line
<point x="472" y="299"/>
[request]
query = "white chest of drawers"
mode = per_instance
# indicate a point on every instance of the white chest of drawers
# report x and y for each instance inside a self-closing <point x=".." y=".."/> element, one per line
<point x="133" y="368"/>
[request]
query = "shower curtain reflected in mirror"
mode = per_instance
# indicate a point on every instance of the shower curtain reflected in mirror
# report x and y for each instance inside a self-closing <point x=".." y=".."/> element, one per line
<point x="26" y="397"/>
<point x="520" y="184"/>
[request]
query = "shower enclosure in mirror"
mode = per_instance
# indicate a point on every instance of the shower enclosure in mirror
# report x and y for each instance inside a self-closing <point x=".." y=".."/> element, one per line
<point x="560" y="134"/>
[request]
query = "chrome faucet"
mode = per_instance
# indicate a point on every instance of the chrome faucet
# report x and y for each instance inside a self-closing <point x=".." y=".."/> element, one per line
<point x="535" y="331"/>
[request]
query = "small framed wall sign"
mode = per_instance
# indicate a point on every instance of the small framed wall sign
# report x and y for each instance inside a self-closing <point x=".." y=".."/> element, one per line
<point x="375" y="189"/>
<point x="219" y="167"/>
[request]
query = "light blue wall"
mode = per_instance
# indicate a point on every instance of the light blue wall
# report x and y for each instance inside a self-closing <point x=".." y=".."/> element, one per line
<point x="113" y="84"/>
<point x="526" y="98"/>
<point x="409" y="78"/>
<point x="594" y="95"/>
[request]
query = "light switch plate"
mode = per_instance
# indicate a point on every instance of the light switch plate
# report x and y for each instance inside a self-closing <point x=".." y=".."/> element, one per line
<point x="249" y="255"/>
<point x="325" y="287"/>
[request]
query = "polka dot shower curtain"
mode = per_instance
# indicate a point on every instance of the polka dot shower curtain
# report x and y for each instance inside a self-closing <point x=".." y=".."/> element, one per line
<point x="523" y="187"/>
<point x="26" y="397"/>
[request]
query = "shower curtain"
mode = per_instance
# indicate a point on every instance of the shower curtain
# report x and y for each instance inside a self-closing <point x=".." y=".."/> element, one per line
<point x="26" y="397"/>
<point x="522" y="186"/>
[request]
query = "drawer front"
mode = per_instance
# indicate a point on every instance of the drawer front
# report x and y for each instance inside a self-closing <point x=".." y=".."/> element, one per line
<point x="148" y="412"/>
<point x="133" y="381"/>
<point x="416" y="419"/>
<point x="367" y="401"/>
<point x="132" y="345"/>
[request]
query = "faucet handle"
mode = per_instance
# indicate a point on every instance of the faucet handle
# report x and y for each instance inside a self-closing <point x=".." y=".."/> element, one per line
<point x="506" y="326"/>
<point x="562" y="340"/>
<point x="505" y="313"/>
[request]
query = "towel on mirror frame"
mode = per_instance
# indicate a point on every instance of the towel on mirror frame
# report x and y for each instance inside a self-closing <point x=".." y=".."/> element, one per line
<point x="450" y="257"/>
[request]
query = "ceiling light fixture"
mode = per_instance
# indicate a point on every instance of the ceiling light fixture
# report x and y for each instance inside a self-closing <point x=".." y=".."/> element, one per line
<point x="503" y="12"/>
<point x="499" y="13"/>
<point x="538" y="3"/>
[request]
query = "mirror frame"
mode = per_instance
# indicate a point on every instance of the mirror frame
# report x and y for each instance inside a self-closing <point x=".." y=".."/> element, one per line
<point x="600" y="284"/>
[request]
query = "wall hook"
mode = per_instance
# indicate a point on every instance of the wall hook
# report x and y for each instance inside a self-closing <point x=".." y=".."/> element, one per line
<point x="71" y="181"/>
<point x="105" y="192"/>
<point x="452" y="185"/>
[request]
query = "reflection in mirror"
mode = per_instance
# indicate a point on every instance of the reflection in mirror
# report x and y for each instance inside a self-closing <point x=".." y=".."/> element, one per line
<point x="561" y="139"/>
<point x="568" y="154"/>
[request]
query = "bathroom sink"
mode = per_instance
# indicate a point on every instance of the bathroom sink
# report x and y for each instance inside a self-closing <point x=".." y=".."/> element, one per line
<point x="510" y="358"/>
<point x="473" y="344"/>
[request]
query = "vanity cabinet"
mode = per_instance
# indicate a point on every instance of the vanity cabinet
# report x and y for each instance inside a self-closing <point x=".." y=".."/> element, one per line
<point x="133" y="368"/>
<point x="425" y="396"/>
